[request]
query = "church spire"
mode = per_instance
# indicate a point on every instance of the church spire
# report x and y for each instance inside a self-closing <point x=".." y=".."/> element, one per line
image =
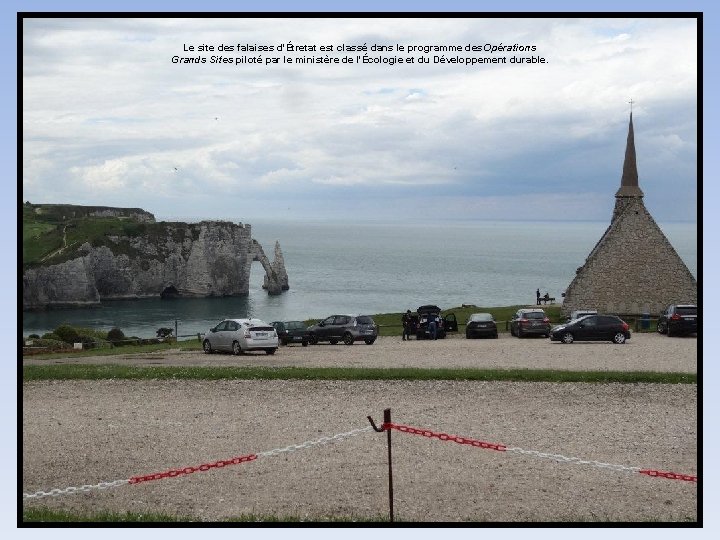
<point x="629" y="183"/>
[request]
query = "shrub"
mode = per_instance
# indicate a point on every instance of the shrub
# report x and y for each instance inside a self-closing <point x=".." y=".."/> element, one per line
<point x="52" y="336"/>
<point x="116" y="337"/>
<point x="98" y="335"/>
<point x="67" y="333"/>
<point x="164" y="332"/>
<point x="33" y="336"/>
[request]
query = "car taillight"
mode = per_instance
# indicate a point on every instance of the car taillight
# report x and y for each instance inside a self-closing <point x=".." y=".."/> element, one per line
<point x="676" y="317"/>
<point x="546" y="319"/>
<point x="625" y="327"/>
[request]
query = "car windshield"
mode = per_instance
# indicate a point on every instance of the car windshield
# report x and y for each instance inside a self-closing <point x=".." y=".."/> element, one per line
<point x="686" y="310"/>
<point x="363" y="319"/>
<point x="481" y="317"/>
<point x="534" y="315"/>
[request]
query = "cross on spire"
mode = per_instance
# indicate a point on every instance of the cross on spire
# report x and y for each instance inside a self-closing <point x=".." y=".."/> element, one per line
<point x="631" y="104"/>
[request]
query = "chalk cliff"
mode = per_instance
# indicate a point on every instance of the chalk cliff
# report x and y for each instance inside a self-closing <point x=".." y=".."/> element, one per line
<point x="210" y="258"/>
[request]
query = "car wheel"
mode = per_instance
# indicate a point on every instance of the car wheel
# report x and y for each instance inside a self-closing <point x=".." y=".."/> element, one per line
<point x="236" y="349"/>
<point x="661" y="327"/>
<point x="207" y="347"/>
<point x="270" y="351"/>
<point x="512" y="331"/>
<point x="370" y="341"/>
<point x="669" y="333"/>
<point x="619" y="338"/>
<point x="304" y="343"/>
<point x="568" y="338"/>
<point x="333" y="342"/>
<point x="520" y="333"/>
<point x="495" y="336"/>
<point x="313" y="339"/>
<point x="348" y="339"/>
<point x="467" y="335"/>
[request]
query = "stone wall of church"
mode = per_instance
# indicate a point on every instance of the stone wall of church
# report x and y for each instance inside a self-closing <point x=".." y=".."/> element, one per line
<point x="634" y="269"/>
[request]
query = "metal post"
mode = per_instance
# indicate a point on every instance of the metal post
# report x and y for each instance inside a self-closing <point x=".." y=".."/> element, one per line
<point x="387" y="420"/>
<point x="176" y="334"/>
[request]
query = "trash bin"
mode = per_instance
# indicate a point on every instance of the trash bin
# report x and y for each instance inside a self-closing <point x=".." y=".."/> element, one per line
<point x="645" y="321"/>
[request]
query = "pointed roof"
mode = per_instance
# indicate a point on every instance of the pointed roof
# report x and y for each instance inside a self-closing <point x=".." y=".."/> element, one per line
<point x="629" y="183"/>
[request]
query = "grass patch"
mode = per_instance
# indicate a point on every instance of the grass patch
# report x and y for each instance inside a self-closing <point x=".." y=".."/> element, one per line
<point x="45" y="515"/>
<point x="188" y="345"/>
<point x="114" y="371"/>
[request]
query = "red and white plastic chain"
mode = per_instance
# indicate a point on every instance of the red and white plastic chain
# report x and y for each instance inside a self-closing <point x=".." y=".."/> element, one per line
<point x="445" y="437"/>
<point x="534" y="453"/>
<point x="172" y="473"/>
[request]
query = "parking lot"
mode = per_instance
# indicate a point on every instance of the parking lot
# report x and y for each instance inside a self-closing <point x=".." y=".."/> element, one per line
<point x="643" y="352"/>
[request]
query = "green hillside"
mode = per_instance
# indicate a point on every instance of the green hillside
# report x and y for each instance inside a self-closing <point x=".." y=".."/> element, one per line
<point x="53" y="233"/>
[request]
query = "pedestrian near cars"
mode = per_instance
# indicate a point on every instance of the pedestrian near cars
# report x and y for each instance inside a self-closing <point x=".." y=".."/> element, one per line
<point x="537" y="297"/>
<point x="407" y="325"/>
<point x="432" y="326"/>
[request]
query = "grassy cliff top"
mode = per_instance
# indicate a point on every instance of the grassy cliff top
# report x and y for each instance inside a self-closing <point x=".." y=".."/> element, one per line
<point x="52" y="233"/>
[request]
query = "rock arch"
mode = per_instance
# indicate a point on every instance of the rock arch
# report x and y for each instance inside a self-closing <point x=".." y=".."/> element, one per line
<point x="276" y="279"/>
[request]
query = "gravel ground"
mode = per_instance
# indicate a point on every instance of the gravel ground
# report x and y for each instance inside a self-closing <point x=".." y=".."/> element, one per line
<point x="87" y="432"/>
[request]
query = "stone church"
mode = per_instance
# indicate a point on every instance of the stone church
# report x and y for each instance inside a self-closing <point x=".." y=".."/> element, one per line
<point x="633" y="268"/>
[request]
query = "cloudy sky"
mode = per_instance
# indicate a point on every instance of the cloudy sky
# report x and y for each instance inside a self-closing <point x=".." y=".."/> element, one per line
<point x="109" y="119"/>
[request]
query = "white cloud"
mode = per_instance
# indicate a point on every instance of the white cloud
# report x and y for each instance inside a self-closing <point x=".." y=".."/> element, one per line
<point x="103" y="103"/>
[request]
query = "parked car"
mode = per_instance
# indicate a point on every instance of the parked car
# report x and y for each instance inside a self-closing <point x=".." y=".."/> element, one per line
<point x="241" y="335"/>
<point x="530" y="321"/>
<point x="678" y="319"/>
<point x="481" y="324"/>
<point x="345" y="328"/>
<point x="291" y="332"/>
<point x="592" y="328"/>
<point x="581" y="313"/>
<point x="444" y="324"/>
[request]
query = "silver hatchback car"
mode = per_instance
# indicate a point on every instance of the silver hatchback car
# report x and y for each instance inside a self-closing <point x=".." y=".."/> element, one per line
<point x="241" y="335"/>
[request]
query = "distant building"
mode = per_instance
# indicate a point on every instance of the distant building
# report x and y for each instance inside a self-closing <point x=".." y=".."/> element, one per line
<point x="633" y="268"/>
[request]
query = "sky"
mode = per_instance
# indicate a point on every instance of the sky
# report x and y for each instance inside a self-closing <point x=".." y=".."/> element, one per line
<point x="109" y="119"/>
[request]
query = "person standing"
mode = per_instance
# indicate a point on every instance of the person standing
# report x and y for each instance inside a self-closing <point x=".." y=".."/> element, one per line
<point x="537" y="296"/>
<point x="432" y="326"/>
<point x="407" y="325"/>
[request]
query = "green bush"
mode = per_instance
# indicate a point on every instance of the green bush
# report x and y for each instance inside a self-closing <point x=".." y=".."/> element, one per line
<point x="67" y="333"/>
<point x="52" y="336"/>
<point x="98" y="335"/>
<point x="33" y="336"/>
<point x="116" y="337"/>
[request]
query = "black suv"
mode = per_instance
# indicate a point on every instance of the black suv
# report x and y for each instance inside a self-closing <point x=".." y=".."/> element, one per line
<point x="291" y="332"/>
<point x="529" y="321"/>
<point x="345" y="328"/>
<point x="678" y="319"/>
<point x="445" y="324"/>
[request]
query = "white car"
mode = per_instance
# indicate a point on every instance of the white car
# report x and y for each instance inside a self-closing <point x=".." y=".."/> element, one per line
<point x="241" y="335"/>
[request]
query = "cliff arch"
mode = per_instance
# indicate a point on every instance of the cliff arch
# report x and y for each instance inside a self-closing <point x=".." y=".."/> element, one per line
<point x="275" y="280"/>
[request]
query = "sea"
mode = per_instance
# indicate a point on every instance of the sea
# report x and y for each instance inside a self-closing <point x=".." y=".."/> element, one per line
<point x="373" y="267"/>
